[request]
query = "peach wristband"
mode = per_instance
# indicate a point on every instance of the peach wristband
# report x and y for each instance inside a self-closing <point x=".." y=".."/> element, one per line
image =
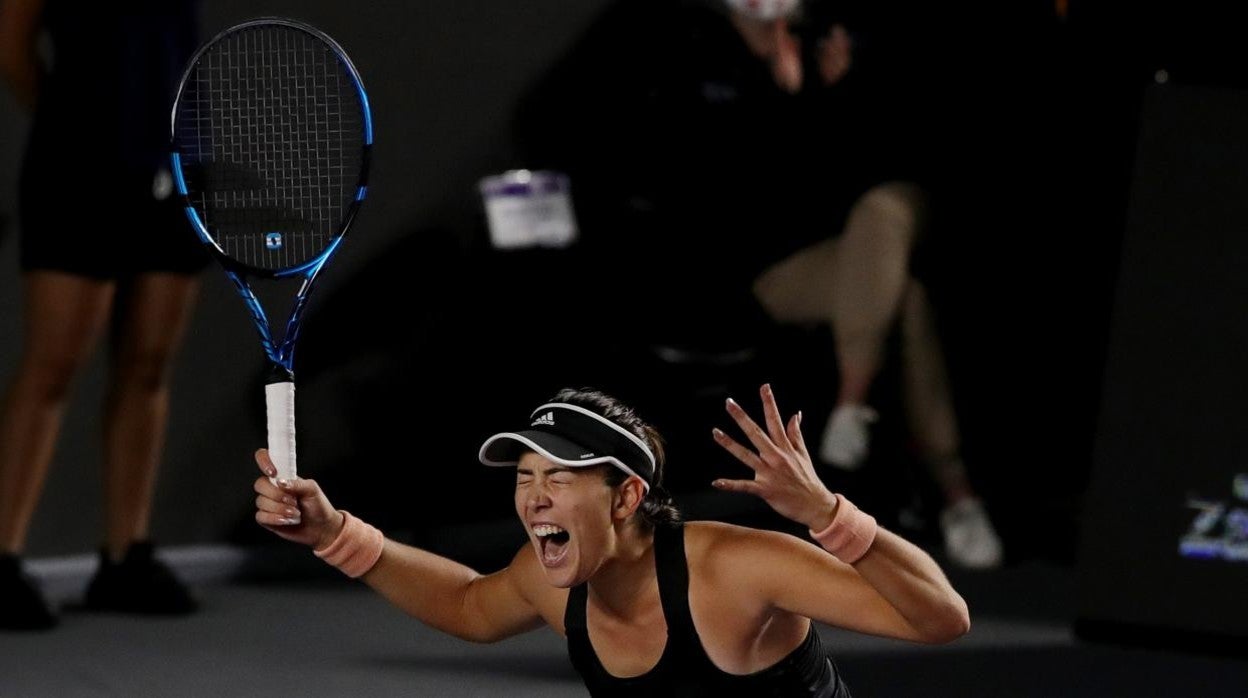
<point x="356" y="549"/>
<point x="850" y="534"/>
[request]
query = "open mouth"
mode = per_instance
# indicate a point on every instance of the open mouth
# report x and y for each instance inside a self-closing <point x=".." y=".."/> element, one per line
<point x="553" y="541"/>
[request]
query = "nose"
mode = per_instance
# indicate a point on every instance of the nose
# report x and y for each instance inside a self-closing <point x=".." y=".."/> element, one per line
<point x="538" y="498"/>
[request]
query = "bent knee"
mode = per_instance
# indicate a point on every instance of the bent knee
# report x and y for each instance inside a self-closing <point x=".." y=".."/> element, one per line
<point x="47" y="377"/>
<point x="903" y="203"/>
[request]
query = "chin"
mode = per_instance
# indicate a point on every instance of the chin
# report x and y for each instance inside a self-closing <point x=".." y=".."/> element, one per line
<point x="559" y="582"/>
<point x="562" y="578"/>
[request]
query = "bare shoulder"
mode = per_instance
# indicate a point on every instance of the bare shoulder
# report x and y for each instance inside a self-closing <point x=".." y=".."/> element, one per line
<point x="742" y="571"/>
<point x="713" y="534"/>
<point x="718" y="546"/>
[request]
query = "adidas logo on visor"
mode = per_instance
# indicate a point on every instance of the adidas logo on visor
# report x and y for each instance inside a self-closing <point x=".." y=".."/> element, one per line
<point x="548" y="419"/>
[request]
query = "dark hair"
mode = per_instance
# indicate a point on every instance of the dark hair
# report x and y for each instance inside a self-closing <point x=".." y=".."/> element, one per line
<point x="657" y="508"/>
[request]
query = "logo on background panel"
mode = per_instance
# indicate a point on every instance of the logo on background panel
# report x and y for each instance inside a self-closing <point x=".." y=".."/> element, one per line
<point x="547" y="419"/>
<point x="273" y="241"/>
<point x="1219" y="527"/>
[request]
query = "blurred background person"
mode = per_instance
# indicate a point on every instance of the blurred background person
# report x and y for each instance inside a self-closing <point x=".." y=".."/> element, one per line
<point x="104" y="249"/>
<point x="757" y="158"/>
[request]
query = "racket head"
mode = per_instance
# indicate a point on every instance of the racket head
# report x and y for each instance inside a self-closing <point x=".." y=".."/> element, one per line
<point x="271" y="135"/>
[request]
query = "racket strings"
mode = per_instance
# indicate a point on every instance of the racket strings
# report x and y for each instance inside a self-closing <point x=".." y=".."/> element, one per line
<point x="272" y="128"/>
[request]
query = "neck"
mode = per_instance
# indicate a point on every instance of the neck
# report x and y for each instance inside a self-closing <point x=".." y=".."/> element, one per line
<point x="622" y="584"/>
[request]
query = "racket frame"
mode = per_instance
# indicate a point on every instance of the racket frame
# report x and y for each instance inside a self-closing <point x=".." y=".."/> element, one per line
<point x="280" y="353"/>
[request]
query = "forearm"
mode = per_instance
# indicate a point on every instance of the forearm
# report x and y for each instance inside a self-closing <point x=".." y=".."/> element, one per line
<point x="912" y="583"/>
<point x="440" y="592"/>
<point x="899" y="572"/>
<point x="428" y="587"/>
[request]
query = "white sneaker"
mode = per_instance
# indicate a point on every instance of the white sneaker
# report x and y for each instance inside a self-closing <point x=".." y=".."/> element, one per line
<point x="846" y="437"/>
<point x="970" y="540"/>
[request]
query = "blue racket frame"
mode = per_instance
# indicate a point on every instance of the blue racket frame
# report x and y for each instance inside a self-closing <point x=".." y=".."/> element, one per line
<point x="280" y="353"/>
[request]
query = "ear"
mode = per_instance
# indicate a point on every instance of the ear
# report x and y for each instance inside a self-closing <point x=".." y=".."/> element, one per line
<point x="627" y="498"/>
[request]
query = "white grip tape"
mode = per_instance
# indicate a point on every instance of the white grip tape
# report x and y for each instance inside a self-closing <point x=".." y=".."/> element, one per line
<point x="280" y="400"/>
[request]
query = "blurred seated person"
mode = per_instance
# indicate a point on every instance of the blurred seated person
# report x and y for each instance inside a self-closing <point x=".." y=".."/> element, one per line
<point x="748" y="154"/>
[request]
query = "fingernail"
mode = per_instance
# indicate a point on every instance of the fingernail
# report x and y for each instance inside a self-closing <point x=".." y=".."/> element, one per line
<point x="717" y="483"/>
<point x="287" y="522"/>
<point x="799" y="416"/>
<point x="716" y="432"/>
<point x="731" y="402"/>
<point x="270" y="472"/>
<point x="283" y="483"/>
<point x="292" y="513"/>
<point x="767" y="388"/>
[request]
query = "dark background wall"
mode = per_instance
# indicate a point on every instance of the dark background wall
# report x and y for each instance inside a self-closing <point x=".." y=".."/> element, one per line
<point x="1032" y="117"/>
<point x="1165" y="544"/>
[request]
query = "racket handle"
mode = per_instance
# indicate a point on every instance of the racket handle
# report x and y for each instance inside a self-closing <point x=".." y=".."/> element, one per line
<point x="280" y="403"/>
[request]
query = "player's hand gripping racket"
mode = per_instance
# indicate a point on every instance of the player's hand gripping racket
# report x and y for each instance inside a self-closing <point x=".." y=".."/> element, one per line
<point x="271" y="140"/>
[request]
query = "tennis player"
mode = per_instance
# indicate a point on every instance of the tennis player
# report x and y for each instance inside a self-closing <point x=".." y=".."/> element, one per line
<point x="647" y="603"/>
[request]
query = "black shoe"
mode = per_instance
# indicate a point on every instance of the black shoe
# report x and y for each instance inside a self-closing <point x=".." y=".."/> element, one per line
<point x="22" y="606"/>
<point x="140" y="583"/>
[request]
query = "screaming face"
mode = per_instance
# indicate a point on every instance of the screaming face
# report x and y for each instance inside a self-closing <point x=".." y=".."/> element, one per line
<point x="567" y="513"/>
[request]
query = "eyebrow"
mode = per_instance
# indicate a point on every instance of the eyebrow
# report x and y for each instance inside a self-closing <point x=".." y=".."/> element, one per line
<point x="548" y="471"/>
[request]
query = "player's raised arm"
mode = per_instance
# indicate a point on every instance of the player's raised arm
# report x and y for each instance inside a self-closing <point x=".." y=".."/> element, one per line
<point x="893" y="587"/>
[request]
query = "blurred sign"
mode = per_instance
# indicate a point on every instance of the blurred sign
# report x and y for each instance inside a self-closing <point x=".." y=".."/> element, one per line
<point x="526" y="208"/>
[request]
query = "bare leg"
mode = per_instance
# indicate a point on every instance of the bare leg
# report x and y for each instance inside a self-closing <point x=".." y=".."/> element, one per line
<point x="157" y="308"/>
<point x="64" y="316"/>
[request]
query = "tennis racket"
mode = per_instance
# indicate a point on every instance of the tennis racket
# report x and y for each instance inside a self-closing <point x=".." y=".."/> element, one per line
<point x="271" y="139"/>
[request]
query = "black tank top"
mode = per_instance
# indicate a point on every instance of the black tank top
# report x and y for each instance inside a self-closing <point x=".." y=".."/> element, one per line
<point x="684" y="669"/>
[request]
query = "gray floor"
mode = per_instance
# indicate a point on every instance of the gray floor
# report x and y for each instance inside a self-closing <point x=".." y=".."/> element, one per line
<point x="327" y="636"/>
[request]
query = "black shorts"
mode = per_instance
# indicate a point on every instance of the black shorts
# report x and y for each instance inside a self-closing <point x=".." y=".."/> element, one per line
<point x="121" y="224"/>
<point x="95" y="196"/>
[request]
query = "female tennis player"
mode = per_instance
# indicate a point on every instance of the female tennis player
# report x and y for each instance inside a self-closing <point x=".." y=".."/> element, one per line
<point x="648" y="603"/>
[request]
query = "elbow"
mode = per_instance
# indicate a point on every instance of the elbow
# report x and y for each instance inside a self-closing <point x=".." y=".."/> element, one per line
<point x="949" y="623"/>
<point x="474" y="633"/>
<point x="954" y="628"/>
<point x="480" y="638"/>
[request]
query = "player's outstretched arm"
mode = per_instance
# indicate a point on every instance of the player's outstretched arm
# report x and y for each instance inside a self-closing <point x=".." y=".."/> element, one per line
<point x="440" y="592"/>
